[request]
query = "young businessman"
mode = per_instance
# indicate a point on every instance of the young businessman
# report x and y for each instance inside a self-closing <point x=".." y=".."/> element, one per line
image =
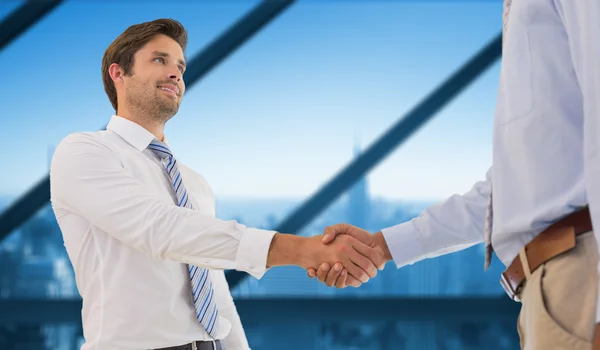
<point x="545" y="180"/>
<point x="140" y="227"/>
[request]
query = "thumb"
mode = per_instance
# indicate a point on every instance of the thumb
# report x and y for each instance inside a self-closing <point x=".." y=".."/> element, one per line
<point x="359" y="234"/>
<point x="331" y="231"/>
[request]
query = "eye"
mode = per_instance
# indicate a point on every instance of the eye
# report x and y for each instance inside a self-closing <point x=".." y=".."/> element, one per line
<point x="181" y="69"/>
<point x="159" y="59"/>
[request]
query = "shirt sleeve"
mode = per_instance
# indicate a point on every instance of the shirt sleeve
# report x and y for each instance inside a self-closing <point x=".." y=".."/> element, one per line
<point x="454" y="224"/>
<point x="87" y="179"/>
<point x="581" y="20"/>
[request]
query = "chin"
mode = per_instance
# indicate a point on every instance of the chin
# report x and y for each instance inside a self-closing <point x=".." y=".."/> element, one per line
<point x="169" y="110"/>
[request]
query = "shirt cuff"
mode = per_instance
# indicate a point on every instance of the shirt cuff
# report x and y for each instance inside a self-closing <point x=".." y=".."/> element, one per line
<point x="253" y="250"/>
<point x="403" y="243"/>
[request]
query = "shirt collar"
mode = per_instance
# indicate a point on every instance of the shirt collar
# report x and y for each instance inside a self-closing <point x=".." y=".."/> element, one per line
<point x="131" y="132"/>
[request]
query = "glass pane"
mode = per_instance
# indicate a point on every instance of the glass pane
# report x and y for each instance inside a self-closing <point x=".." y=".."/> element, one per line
<point x="8" y="6"/>
<point x="34" y="262"/>
<point x="283" y="114"/>
<point x="267" y="128"/>
<point x="56" y="87"/>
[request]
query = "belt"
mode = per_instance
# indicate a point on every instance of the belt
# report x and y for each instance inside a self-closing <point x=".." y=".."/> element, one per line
<point x="553" y="241"/>
<point x="197" y="345"/>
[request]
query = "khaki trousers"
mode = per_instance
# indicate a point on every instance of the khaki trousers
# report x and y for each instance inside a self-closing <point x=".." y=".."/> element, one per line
<point x="559" y="300"/>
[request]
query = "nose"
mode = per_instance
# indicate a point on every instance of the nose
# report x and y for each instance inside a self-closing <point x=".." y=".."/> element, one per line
<point x="175" y="76"/>
<point x="174" y="73"/>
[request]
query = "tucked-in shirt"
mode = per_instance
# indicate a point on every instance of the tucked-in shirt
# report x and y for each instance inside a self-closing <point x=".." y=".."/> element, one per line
<point x="546" y="139"/>
<point x="130" y="244"/>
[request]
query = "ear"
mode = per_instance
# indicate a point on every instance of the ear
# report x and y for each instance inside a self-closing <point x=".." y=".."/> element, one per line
<point x="116" y="73"/>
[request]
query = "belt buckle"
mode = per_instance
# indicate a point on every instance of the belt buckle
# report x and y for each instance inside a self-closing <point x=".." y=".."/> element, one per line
<point x="513" y="294"/>
<point x="194" y="345"/>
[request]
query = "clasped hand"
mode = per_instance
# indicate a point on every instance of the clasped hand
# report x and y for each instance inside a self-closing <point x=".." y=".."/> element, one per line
<point x="346" y="255"/>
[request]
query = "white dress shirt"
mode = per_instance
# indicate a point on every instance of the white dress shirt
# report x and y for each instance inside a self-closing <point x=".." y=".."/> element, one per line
<point x="546" y="140"/>
<point x="129" y="243"/>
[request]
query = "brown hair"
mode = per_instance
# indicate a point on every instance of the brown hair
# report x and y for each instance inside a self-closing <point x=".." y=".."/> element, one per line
<point x="122" y="50"/>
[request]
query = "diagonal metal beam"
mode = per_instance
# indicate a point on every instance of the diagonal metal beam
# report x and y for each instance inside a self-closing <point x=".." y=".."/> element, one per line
<point x="244" y="29"/>
<point x="217" y="51"/>
<point x="405" y="127"/>
<point x="21" y="19"/>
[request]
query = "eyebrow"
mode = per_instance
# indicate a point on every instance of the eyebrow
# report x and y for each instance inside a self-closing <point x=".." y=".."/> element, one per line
<point x="164" y="54"/>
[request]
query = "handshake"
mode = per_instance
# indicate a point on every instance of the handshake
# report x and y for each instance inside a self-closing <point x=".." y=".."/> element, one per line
<point x="344" y="255"/>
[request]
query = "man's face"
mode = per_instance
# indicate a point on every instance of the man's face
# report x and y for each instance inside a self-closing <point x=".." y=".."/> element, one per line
<point x="155" y="85"/>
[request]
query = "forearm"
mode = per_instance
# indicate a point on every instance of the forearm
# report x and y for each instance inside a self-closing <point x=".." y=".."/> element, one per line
<point x="452" y="225"/>
<point x="164" y="231"/>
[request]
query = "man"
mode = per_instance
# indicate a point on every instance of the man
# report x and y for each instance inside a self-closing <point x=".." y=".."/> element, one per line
<point x="545" y="179"/>
<point x="140" y="227"/>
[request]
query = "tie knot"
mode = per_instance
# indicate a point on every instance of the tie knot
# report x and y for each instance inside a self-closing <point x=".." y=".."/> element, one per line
<point x="160" y="149"/>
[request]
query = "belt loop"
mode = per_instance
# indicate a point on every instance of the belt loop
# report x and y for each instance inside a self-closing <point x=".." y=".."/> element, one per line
<point x="524" y="262"/>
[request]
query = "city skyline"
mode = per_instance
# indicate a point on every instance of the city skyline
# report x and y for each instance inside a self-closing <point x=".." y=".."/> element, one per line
<point x="356" y="207"/>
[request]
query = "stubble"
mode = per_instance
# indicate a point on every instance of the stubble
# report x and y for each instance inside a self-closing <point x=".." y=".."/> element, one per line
<point x="146" y="98"/>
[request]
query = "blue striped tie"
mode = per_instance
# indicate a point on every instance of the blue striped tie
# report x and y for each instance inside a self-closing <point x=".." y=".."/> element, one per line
<point x="202" y="290"/>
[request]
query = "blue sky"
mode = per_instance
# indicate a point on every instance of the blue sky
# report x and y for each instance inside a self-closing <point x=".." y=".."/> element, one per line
<point x="281" y="115"/>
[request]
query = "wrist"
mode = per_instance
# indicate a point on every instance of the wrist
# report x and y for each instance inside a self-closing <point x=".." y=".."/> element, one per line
<point x="286" y="249"/>
<point x="382" y="244"/>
